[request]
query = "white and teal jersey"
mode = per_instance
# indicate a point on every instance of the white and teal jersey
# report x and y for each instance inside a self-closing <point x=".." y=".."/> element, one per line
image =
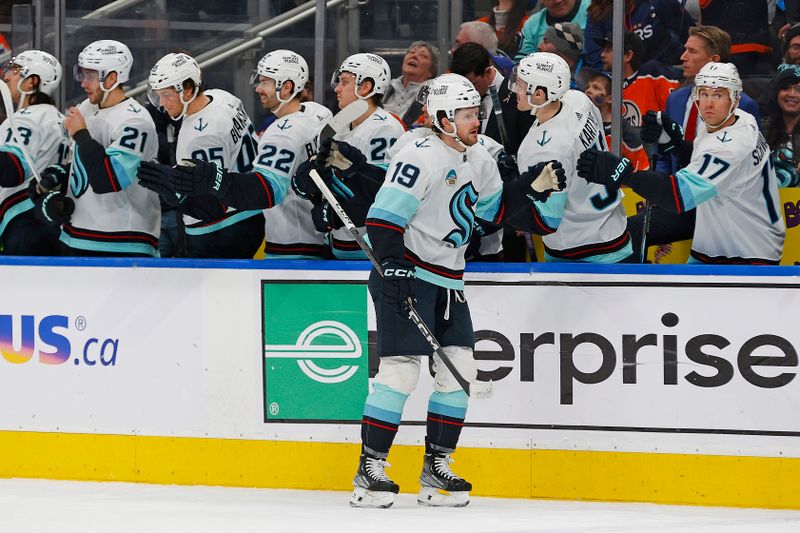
<point x="435" y="192"/>
<point x="127" y="221"/>
<point x="373" y="138"/>
<point x="40" y="129"/>
<point x="287" y="143"/>
<point x="220" y="133"/>
<point x="588" y="219"/>
<point x="731" y="183"/>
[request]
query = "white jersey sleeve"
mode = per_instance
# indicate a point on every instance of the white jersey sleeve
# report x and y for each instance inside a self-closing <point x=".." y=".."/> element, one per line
<point x="40" y="128"/>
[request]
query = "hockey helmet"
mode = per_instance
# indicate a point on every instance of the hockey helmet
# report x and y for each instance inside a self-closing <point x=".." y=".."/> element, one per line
<point x="543" y="70"/>
<point x="366" y="66"/>
<point x="282" y="66"/>
<point x="37" y="63"/>
<point x="170" y="72"/>
<point x="105" y="57"/>
<point x="718" y="75"/>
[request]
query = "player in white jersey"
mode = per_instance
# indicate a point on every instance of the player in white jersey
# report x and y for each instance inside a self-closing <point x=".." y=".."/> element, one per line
<point x="215" y="128"/>
<point x="585" y="222"/>
<point x="364" y="77"/>
<point x="112" y="134"/>
<point x="289" y="141"/>
<point x="419" y="226"/>
<point x="32" y="78"/>
<point x="729" y="180"/>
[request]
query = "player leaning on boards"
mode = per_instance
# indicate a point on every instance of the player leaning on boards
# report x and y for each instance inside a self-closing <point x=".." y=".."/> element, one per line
<point x="419" y="227"/>
<point x="585" y="222"/>
<point x="365" y="144"/>
<point x="729" y="180"/>
<point x="32" y="77"/>
<point x="290" y="140"/>
<point x="216" y="128"/>
<point x="112" y="135"/>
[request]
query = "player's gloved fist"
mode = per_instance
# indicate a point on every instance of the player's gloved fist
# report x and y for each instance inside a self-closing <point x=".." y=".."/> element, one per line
<point x="543" y="179"/>
<point x="604" y="168"/>
<point x="56" y="208"/>
<point x="302" y="184"/>
<point x="346" y="157"/>
<point x="322" y="216"/>
<point x="658" y="127"/>
<point x="154" y="176"/>
<point x="54" y="177"/>
<point x="507" y="165"/>
<point x="193" y="176"/>
<point x="398" y="284"/>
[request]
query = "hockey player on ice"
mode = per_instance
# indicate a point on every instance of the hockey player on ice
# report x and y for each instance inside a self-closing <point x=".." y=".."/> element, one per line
<point x="585" y="222"/>
<point x="216" y="129"/>
<point x="113" y="134"/>
<point x="419" y="227"/>
<point x="287" y="143"/>
<point x="729" y="180"/>
<point x="32" y="77"/>
<point x="360" y="77"/>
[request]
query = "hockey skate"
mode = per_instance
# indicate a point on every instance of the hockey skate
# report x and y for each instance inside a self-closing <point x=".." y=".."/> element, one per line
<point x="440" y="486"/>
<point x="371" y="486"/>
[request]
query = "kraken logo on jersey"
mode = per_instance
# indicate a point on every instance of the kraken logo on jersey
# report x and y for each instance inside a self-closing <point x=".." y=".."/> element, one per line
<point x="463" y="214"/>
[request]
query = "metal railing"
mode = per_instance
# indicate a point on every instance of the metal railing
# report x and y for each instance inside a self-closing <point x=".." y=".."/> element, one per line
<point x="259" y="32"/>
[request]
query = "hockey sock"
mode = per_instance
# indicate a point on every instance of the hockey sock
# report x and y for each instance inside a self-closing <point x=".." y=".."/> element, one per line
<point x="446" y="413"/>
<point x="382" y="412"/>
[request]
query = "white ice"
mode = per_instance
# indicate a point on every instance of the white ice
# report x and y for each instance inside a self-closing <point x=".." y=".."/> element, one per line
<point x="44" y="506"/>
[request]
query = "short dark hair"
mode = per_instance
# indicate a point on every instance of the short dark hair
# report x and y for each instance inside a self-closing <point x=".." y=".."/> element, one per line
<point x="470" y="58"/>
<point x="604" y="77"/>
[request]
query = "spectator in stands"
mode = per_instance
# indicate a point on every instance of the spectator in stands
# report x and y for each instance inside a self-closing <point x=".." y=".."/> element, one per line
<point x="782" y="130"/>
<point x="598" y="89"/>
<point x="661" y="24"/>
<point x="565" y="39"/>
<point x="747" y="22"/>
<point x="483" y="34"/>
<point x="705" y="44"/>
<point x="791" y="45"/>
<point x="553" y="11"/>
<point x="645" y="87"/>
<point x="507" y="18"/>
<point x="420" y="64"/>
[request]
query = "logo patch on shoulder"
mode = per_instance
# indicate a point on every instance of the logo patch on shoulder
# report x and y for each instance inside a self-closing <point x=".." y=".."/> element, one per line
<point x="451" y="179"/>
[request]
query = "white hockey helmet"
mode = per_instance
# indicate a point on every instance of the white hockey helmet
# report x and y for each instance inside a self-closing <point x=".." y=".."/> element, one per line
<point x="105" y="57"/>
<point x="366" y="66"/>
<point x="447" y="94"/>
<point x="546" y="70"/>
<point x="282" y="66"/>
<point x="37" y="63"/>
<point x="170" y="72"/>
<point x="718" y="75"/>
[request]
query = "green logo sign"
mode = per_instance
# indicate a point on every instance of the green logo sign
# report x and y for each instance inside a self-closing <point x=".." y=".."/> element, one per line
<point x="315" y="350"/>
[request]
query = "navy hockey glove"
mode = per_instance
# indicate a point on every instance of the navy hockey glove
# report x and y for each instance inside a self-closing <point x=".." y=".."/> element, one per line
<point x="302" y="183"/>
<point x="197" y="177"/>
<point x="604" y="168"/>
<point x="658" y="127"/>
<point x="154" y="176"/>
<point x="507" y="165"/>
<point x="55" y="208"/>
<point x="54" y="178"/>
<point x="322" y="216"/>
<point x="346" y="157"/>
<point x="542" y="180"/>
<point x="398" y="284"/>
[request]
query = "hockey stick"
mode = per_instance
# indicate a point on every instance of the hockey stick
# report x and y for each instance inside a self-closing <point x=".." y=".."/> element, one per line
<point x="497" y="109"/>
<point x="476" y="389"/>
<point x="648" y="207"/>
<point x="337" y="124"/>
<point x="8" y="104"/>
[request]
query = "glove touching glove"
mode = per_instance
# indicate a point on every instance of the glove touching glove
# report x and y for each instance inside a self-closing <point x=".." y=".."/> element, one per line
<point x="604" y="168"/>
<point x="544" y="179"/>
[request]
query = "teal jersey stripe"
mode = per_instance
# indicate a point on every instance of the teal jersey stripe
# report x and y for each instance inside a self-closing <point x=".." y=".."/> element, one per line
<point x="13" y="211"/>
<point x="487" y="207"/>
<point x="384" y="166"/>
<point x="452" y="404"/>
<point x="438" y="280"/>
<point x="284" y="256"/>
<point x="278" y="182"/>
<point x="230" y="221"/>
<point x="18" y="152"/>
<point x="613" y="257"/>
<point x="354" y="255"/>
<point x="112" y="247"/>
<point x="388" y="216"/>
<point x="552" y="209"/>
<point x="125" y="164"/>
<point x="385" y="403"/>
<point x="694" y="188"/>
<point x="401" y="203"/>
